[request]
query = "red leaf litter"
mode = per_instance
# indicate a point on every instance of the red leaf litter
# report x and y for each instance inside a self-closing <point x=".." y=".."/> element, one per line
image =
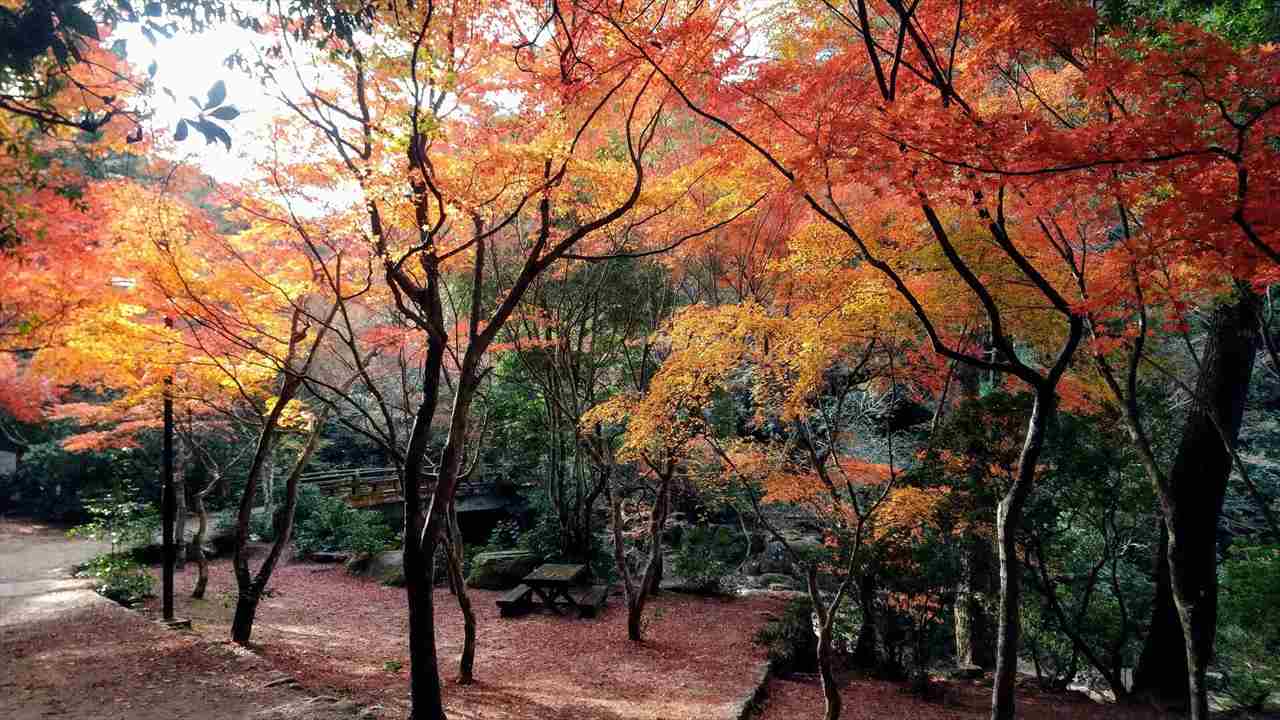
<point x="790" y="698"/>
<point x="336" y="633"/>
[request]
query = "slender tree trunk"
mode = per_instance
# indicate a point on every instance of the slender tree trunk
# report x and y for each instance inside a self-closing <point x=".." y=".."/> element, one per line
<point x="180" y="503"/>
<point x="427" y="702"/>
<point x="637" y="593"/>
<point x="1008" y="522"/>
<point x="197" y="542"/>
<point x="453" y="551"/>
<point x="252" y="587"/>
<point x="826" y="671"/>
<point x="1192" y="505"/>
<point x="830" y="690"/>
<point x="1161" y="674"/>
<point x="974" y="625"/>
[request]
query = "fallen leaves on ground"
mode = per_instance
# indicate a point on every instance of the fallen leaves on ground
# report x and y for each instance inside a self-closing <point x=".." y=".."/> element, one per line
<point x="339" y="633"/>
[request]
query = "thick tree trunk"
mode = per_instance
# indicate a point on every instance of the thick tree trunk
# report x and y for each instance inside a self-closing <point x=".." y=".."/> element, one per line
<point x="1161" y="674"/>
<point x="830" y="690"/>
<point x="419" y="541"/>
<point x="424" y="669"/>
<point x="973" y="623"/>
<point x="1197" y="487"/>
<point x="864" y="653"/>
<point x="246" y="609"/>
<point x="1008" y="522"/>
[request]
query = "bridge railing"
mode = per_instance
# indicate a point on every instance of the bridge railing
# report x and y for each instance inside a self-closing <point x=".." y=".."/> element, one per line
<point x="364" y="487"/>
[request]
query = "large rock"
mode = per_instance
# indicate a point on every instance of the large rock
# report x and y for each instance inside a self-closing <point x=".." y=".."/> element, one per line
<point x="776" y="559"/>
<point x="386" y="567"/>
<point x="502" y="569"/>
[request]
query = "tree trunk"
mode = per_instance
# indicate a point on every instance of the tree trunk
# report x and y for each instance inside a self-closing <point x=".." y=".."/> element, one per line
<point x="973" y="624"/>
<point x="252" y="586"/>
<point x="1161" y="675"/>
<point x="453" y="551"/>
<point x="197" y="543"/>
<point x="830" y="691"/>
<point x="1197" y="489"/>
<point x="180" y="503"/>
<point x="424" y="668"/>
<point x="824" y="614"/>
<point x="864" y="654"/>
<point x="1008" y="522"/>
<point x="637" y="593"/>
<point x="246" y="609"/>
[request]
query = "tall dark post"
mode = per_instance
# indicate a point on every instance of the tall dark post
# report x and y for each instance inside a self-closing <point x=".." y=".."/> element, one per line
<point x="169" y="501"/>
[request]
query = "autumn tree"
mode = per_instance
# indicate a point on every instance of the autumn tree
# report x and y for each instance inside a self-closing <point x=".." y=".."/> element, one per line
<point x="947" y="106"/>
<point x="453" y="175"/>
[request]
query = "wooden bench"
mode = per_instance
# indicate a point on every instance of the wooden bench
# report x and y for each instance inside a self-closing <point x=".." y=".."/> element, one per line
<point x="591" y="600"/>
<point x="514" y="601"/>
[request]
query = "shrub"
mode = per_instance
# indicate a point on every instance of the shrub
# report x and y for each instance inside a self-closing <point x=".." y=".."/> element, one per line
<point x="1249" y="626"/>
<point x="119" y="577"/>
<point x="505" y="535"/>
<point x="791" y="640"/>
<point x="705" y="557"/>
<point x="327" y="524"/>
<point x="120" y="518"/>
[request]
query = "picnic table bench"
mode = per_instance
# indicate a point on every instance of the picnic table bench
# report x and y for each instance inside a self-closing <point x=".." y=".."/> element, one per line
<point x="556" y="585"/>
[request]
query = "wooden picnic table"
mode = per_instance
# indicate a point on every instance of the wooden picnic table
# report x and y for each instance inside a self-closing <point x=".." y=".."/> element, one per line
<point x="551" y="581"/>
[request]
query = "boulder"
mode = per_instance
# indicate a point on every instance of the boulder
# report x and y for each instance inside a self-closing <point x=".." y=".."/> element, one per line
<point x="778" y="581"/>
<point x="501" y="570"/>
<point x="776" y="559"/>
<point x="386" y="567"/>
<point x="674" y="531"/>
<point x="965" y="672"/>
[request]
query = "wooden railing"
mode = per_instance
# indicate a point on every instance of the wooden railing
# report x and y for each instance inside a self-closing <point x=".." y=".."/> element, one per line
<point x="365" y="487"/>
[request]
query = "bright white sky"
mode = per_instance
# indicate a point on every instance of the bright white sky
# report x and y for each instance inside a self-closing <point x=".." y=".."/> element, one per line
<point x="189" y="65"/>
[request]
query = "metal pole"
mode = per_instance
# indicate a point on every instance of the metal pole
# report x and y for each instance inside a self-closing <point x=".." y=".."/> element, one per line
<point x="169" y="502"/>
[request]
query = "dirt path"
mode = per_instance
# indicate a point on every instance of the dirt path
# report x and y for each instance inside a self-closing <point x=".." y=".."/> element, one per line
<point x="67" y="652"/>
<point x="35" y="572"/>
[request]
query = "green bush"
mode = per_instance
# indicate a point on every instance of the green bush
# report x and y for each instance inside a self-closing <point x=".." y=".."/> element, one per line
<point x="705" y="557"/>
<point x="1249" y="626"/>
<point x="791" y="640"/>
<point x="119" y="578"/>
<point x="119" y="517"/>
<point x="327" y="524"/>
<point x="505" y="535"/>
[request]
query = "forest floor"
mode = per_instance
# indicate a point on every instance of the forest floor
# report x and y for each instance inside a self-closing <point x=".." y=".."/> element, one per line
<point x="336" y="633"/>
<point x="66" y="652"/>
<point x="801" y="697"/>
